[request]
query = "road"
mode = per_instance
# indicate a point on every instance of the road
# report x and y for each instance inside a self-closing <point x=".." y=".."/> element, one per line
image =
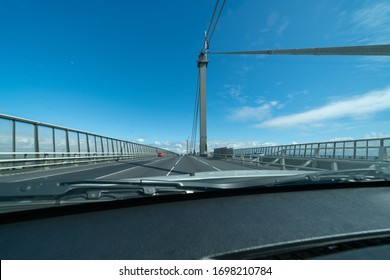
<point x="166" y="166"/>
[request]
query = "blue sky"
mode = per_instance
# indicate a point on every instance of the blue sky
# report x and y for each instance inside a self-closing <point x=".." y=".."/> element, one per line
<point x="127" y="69"/>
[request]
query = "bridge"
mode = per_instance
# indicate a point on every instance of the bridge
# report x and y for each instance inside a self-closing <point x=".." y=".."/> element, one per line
<point x="35" y="151"/>
<point x="32" y="150"/>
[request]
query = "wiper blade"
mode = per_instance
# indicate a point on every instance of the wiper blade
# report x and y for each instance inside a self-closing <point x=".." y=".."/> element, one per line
<point x="374" y="173"/>
<point x="136" y="183"/>
<point x="151" y="187"/>
<point x="93" y="190"/>
<point x="97" y="189"/>
<point x="45" y="194"/>
<point x="90" y="190"/>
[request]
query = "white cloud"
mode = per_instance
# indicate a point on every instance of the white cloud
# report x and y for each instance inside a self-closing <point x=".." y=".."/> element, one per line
<point x="244" y="69"/>
<point x="276" y="23"/>
<point x="283" y="27"/>
<point x="368" y="25"/>
<point x="356" y="107"/>
<point x="253" y="113"/>
<point x="340" y="139"/>
<point x="297" y="93"/>
<point x="6" y="140"/>
<point x="260" y="100"/>
<point x="235" y="92"/>
<point x="236" y="144"/>
<point x="374" y="22"/>
<point x="374" y="134"/>
<point x="140" y="140"/>
<point x="24" y="143"/>
<point x="272" y="19"/>
<point x="180" y="147"/>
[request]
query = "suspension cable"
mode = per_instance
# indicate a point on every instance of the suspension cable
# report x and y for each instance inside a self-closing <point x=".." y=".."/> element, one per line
<point x="216" y="22"/>
<point x="212" y="25"/>
<point x="206" y="42"/>
<point x="195" y="117"/>
<point x="212" y="17"/>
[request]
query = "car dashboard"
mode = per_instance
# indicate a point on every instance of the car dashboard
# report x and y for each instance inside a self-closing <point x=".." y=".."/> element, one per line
<point x="201" y="225"/>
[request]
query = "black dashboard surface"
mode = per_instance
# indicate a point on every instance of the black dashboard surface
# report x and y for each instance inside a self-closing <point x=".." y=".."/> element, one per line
<point x="195" y="228"/>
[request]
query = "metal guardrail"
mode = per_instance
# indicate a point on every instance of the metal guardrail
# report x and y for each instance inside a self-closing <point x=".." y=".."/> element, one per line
<point x="332" y="155"/>
<point x="26" y="143"/>
<point x="360" y="149"/>
<point x="29" y="160"/>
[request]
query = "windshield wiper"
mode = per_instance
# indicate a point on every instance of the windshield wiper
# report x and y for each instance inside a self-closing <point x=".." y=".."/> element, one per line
<point x="17" y="197"/>
<point x="54" y="193"/>
<point x="122" y="189"/>
<point x="374" y="173"/>
<point x="151" y="187"/>
<point x="95" y="189"/>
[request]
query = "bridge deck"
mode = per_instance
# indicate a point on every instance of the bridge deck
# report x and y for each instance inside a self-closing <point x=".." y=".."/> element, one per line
<point x="166" y="166"/>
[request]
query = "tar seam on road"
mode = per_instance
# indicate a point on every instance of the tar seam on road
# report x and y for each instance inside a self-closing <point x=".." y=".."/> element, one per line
<point x="115" y="173"/>
<point x="56" y="174"/>
<point x="207" y="164"/>
<point x="174" y="166"/>
<point x="43" y="176"/>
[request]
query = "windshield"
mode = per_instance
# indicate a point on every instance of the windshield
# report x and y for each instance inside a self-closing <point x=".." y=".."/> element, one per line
<point x="255" y="91"/>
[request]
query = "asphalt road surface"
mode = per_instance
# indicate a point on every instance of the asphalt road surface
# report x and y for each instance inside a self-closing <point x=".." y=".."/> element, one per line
<point x="165" y="166"/>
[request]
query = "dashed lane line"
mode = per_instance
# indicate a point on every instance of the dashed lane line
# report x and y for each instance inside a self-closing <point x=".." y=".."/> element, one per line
<point x="207" y="164"/>
<point x="53" y="175"/>
<point x="77" y="171"/>
<point x="174" y="166"/>
<point x="118" y="172"/>
<point x="56" y="172"/>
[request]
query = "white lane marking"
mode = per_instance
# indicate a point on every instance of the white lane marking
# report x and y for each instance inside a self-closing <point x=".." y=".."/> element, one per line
<point x="207" y="164"/>
<point x="173" y="166"/>
<point x="74" y="171"/>
<point x="115" y="173"/>
<point x="52" y="175"/>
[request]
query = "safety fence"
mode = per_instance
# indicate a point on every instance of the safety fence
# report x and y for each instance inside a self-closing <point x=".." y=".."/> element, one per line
<point x="26" y="143"/>
<point x="332" y="155"/>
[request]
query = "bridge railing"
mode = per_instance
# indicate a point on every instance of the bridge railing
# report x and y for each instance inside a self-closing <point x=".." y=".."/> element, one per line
<point x="360" y="149"/>
<point x="320" y="155"/>
<point x="27" y="143"/>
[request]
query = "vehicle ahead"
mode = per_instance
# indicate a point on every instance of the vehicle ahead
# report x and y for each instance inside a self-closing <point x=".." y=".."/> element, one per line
<point x="259" y="214"/>
<point x="160" y="155"/>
